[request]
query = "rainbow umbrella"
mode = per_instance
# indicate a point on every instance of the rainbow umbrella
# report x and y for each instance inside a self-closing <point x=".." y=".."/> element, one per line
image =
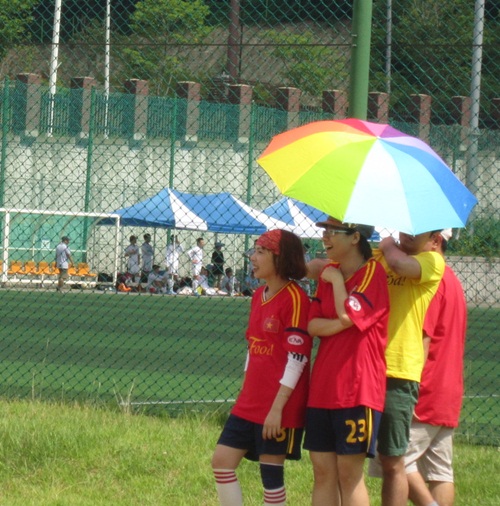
<point x="371" y="173"/>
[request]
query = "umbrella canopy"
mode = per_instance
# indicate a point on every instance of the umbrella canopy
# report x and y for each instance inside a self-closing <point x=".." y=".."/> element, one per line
<point x="301" y="218"/>
<point x="370" y="173"/>
<point x="219" y="212"/>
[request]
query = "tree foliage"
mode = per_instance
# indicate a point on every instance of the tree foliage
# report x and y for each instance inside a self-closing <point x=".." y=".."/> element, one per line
<point x="15" y="15"/>
<point x="308" y="66"/>
<point x="431" y="51"/>
<point x="158" y="26"/>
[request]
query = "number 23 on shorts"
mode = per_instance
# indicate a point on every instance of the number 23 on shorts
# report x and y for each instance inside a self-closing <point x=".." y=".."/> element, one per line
<point x="357" y="431"/>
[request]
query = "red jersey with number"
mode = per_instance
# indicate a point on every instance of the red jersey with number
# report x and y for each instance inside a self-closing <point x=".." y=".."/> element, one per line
<point x="350" y="368"/>
<point x="442" y="385"/>
<point x="276" y="326"/>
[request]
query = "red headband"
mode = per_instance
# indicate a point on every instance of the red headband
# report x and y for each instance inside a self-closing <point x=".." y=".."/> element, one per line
<point x="271" y="241"/>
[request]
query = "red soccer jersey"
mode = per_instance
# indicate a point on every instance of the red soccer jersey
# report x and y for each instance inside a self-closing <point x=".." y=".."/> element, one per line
<point x="350" y="369"/>
<point x="442" y="386"/>
<point x="276" y="326"/>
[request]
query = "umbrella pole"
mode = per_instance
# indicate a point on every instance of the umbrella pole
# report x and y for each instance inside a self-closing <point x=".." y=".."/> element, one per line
<point x="360" y="58"/>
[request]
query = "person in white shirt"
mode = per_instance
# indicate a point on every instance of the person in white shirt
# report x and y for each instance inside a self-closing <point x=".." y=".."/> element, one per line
<point x="172" y="254"/>
<point x="156" y="281"/>
<point x="63" y="261"/>
<point x="196" y="256"/>
<point x="132" y="253"/>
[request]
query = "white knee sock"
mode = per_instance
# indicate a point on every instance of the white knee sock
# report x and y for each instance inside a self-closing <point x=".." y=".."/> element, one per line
<point x="228" y="487"/>
<point x="275" y="497"/>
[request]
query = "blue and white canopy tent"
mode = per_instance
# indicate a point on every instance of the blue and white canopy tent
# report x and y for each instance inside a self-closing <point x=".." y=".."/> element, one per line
<point x="171" y="209"/>
<point x="218" y="213"/>
<point x="300" y="218"/>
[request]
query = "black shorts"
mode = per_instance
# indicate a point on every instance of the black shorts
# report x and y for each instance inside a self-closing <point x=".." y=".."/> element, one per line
<point x="244" y="435"/>
<point x="348" y="431"/>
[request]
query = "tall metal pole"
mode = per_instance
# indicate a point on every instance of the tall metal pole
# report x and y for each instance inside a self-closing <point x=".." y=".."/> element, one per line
<point x="475" y="92"/>
<point x="54" y="63"/>
<point x="5" y="133"/>
<point x="107" y="67"/>
<point x="88" y="173"/>
<point x="360" y="58"/>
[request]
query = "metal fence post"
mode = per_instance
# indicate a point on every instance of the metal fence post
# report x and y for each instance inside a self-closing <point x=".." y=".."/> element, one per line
<point x="5" y="133"/>
<point x="360" y="58"/>
<point x="88" y="172"/>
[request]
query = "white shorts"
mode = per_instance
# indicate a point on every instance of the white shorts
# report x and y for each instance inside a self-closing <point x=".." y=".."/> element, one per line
<point x="196" y="269"/>
<point x="430" y="452"/>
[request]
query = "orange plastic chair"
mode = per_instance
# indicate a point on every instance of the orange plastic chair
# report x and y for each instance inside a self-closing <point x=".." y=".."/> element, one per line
<point x="44" y="269"/>
<point x="16" y="267"/>
<point x="73" y="271"/>
<point x="84" y="270"/>
<point x="30" y="268"/>
<point x="53" y="268"/>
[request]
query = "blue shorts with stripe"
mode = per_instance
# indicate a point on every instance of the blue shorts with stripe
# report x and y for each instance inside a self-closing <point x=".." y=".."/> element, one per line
<point x="244" y="435"/>
<point x="348" y="431"/>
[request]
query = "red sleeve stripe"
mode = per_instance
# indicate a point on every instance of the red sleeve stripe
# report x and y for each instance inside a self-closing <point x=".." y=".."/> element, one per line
<point x="293" y="290"/>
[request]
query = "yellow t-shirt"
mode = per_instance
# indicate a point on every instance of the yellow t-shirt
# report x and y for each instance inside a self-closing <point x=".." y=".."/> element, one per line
<point x="409" y="300"/>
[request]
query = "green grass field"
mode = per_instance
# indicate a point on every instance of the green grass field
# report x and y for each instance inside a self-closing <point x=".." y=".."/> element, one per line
<point x="169" y="352"/>
<point x="59" y="454"/>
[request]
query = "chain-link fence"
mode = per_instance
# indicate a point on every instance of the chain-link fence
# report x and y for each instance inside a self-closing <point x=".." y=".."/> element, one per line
<point x="146" y="104"/>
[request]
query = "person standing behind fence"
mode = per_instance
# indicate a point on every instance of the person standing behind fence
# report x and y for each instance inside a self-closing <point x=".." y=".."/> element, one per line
<point x="132" y="253"/>
<point x="63" y="261"/>
<point x="430" y="452"/>
<point x="218" y="263"/>
<point x="267" y="421"/>
<point x="148" y="253"/>
<point x="196" y="256"/>
<point x="172" y="254"/>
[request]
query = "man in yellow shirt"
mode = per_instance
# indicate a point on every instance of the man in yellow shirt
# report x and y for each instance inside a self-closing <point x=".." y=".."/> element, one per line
<point x="414" y="272"/>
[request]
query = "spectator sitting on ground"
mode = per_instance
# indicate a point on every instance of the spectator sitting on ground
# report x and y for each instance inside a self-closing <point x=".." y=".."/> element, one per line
<point x="122" y="283"/>
<point x="229" y="283"/>
<point x="157" y="282"/>
<point x="203" y="286"/>
<point x="251" y="284"/>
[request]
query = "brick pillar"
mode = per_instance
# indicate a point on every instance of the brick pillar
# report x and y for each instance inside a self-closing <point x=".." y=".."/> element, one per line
<point x="288" y="99"/>
<point x="241" y="95"/>
<point x="80" y="105"/>
<point x="420" y="111"/>
<point x="461" y="110"/>
<point x="335" y="102"/>
<point x="461" y="114"/>
<point x="139" y="114"/>
<point x="191" y="92"/>
<point x="378" y="107"/>
<point x="27" y="114"/>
